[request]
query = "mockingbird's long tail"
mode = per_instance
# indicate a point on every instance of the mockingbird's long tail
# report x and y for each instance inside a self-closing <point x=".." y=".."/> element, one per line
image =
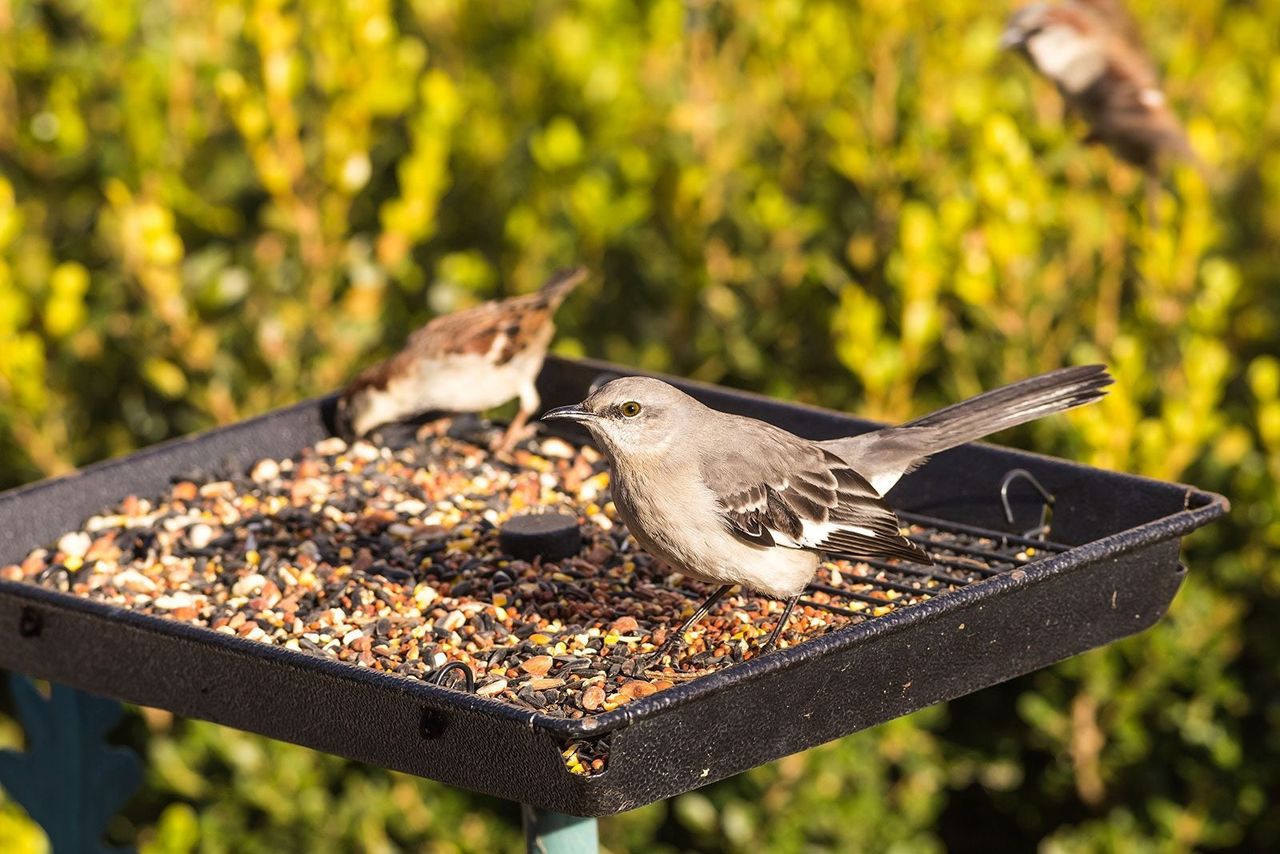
<point x="884" y="456"/>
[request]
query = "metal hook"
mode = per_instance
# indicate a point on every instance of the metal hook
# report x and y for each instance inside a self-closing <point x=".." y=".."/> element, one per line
<point x="1040" y="532"/>
<point x="470" y="677"/>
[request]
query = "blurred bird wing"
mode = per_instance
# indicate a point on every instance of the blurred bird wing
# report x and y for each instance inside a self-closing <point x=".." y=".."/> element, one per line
<point x="1117" y="19"/>
<point x="492" y="329"/>
<point x="784" y="491"/>
<point x="1133" y="107"/>
<point x="496" y="330"/>
<point x="1133" y="101"/>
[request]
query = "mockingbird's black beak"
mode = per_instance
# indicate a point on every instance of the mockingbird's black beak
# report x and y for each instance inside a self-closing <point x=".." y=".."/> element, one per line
<point x="568" y="413"/>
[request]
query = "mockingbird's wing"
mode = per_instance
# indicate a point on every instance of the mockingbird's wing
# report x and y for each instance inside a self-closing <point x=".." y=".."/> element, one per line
<point x="778" y="490"/>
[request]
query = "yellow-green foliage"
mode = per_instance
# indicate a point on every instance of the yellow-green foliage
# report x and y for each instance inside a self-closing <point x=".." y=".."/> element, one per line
<point x="208" y="209"/>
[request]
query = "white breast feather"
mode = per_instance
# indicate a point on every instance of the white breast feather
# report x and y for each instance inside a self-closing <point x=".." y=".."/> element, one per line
<point x="453" y="384"/>
<point x="1070" y="60"/>
<point x="685" y="527"/>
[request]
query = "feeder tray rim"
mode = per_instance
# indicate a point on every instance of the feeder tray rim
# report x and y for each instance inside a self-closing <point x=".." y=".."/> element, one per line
<point x="1201" y="507"/>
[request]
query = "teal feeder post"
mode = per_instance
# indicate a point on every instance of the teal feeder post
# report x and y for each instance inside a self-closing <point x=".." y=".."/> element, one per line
<point x="69" y="779"/>
<point x="548" y="832"/>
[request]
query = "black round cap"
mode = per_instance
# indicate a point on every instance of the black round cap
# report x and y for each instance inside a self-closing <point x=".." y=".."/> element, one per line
<point x="551" y="536"/>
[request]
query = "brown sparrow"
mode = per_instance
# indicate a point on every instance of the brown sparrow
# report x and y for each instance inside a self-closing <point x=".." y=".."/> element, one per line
<point x="1091" y="51"/>
<point x="468" y="361"/>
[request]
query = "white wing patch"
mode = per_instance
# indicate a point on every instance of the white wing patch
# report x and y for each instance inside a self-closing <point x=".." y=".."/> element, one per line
<point x="884" y="481"/>
<point x="814" y="534"/>
<point x="1151" y="98"/>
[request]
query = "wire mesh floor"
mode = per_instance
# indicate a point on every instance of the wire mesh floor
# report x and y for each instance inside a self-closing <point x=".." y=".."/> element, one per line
<point x="848" y="592"/>
<point x="962" y="555"/>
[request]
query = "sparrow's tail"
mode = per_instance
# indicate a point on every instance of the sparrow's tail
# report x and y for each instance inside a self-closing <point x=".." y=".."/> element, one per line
<point x="884" y="456"/>
<point x="561" y="284"/>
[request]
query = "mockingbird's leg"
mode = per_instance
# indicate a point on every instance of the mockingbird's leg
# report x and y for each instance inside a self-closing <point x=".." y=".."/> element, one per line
<point x="676" y="639"/>
<point x="782" y="624"/>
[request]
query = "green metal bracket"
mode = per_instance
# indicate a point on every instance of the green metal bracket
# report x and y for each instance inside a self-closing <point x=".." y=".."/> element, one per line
<point x="555" y="833"/>
<point x="69" y="780"/>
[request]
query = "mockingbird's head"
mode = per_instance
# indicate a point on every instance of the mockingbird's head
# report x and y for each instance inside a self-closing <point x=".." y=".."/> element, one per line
<point x="633" y="417"/>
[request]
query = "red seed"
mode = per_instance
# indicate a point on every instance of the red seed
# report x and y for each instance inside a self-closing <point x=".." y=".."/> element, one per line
<point x="544" y="683"/>
<point x="592" y="698"/>
<point x="642" y="689"/>
<point x="634" y="689"/>
<point x="625" y="625"/>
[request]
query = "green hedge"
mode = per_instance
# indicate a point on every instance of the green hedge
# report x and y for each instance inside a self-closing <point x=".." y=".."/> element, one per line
<point x="208" y="209"/>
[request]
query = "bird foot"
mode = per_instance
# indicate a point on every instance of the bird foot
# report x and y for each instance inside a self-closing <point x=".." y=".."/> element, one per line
<point x="651" y="661"/>
<point x="506" y="443"/>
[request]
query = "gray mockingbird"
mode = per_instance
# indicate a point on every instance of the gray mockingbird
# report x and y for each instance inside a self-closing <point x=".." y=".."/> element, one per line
<point x="730" y="500"/>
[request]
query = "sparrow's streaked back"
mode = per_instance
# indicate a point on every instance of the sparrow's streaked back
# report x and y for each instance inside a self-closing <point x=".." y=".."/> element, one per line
<point x="731" y="500"/>
<point x="468" y="361"/>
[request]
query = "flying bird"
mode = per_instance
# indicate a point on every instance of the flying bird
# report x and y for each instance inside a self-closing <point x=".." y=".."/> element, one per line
<point x="1093" y="53"/>
<point x="468" y="361"/>
<point x="730" y="500"/>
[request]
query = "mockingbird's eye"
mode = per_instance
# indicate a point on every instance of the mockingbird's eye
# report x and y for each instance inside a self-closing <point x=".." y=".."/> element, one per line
<point x="630" y="409"/>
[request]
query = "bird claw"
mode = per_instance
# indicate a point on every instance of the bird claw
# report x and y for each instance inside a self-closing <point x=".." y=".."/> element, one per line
<point x="643" y="663"/>
<point x="506" y="443"/>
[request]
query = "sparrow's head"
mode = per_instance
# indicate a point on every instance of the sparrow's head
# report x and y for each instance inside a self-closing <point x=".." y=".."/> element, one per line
<point x="1022" y="25"/>
<point x="1063" y="41"/>
<point x="364" y="403"/>
<point x="632" y="417"/>
<point x="343" y="422"/>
